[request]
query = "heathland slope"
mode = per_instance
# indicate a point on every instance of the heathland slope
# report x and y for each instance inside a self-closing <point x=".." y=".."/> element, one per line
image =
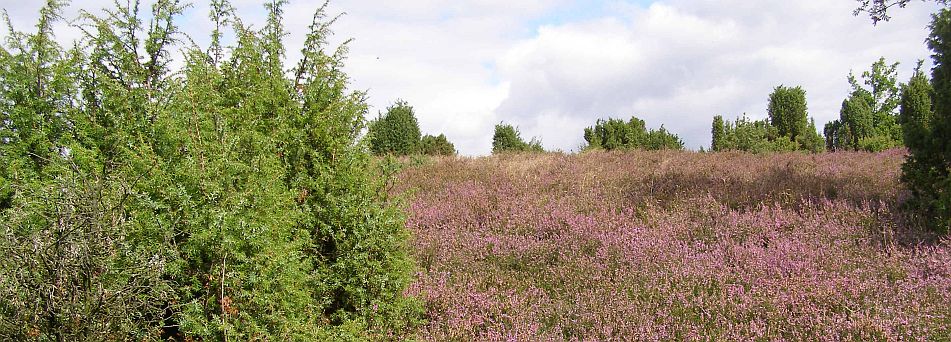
<point x="673" y="245"/>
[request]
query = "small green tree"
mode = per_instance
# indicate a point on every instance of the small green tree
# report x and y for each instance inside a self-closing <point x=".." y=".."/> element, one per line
<point x="916" y="116"/>
<point x="811" y="140"/>
<point x="436" y="146"/>
<point x="882" y="83"/>
<point x="609" y="134"/>
<point x="507" y="138"/>
<point x="788" y="111"/>
<point x="834" y="133"/>
<point x="662" y="139"/>
<point x="857" y="117"/>
<point x="717" y="132"/>
<point x="82" y="257"/>
<point x="396" y="132"/>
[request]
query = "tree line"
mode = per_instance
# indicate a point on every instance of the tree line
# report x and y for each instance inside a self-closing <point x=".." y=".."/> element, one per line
<point x="868" y="121"/>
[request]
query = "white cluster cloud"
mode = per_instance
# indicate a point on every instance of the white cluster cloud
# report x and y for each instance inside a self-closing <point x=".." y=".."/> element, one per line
<point x="553" y="67"/>
<point x="679" y="63"/>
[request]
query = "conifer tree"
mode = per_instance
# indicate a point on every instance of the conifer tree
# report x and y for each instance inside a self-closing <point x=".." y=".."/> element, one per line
<point x="222" y="201"/>
<point x="614" y="134"/>
<point x="928" y="169"/>
<point x="396" y="132"/>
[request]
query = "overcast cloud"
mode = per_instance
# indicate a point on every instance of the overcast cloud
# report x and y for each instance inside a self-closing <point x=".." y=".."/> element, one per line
<point x="553" y="67"/>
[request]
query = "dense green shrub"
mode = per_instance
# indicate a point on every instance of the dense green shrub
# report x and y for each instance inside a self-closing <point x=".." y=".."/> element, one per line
<point x="811" y="140"/>
<point x="926" y="123"/>
<point x="507" y="138"/>
<point x="614" y="134"/>
<point x="80" y="256"/>
<point x="788" y="112"/>
<point x="916" y="116"/>
<point x="396" y="132"/>
<point x="224" y="201"/>
<point x="756" y="136"/>
<point x="436" y="146"/>
<point x="717" y="133"/>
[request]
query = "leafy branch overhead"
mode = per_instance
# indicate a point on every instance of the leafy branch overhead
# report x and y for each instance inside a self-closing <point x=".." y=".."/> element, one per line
<point x="877" y="10"/>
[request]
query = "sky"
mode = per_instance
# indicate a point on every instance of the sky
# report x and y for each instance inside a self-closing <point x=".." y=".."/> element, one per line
<point x="554" y="67"/>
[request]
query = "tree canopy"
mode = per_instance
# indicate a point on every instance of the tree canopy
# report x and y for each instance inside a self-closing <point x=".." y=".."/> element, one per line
<point x="756" y="136"/>
<point x="926" y="121"/>
<point x="877" y="10"/>
<point x="612" y="134"/>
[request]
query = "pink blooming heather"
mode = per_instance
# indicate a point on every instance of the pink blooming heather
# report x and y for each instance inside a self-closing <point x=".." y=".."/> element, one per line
<point x="673" y="246"/>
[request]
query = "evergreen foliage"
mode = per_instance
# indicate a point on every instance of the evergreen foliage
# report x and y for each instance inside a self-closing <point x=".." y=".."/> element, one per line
<point x="396" y="132"/>
<point x="916" y="116"/>
<point x="221" y="201"/>
<point x="507" y="138"/>
<point x="436" y="146"/>
<point x="926" y="123"/>
<point x="614" y="134"/>
<point x="811" y="140"/>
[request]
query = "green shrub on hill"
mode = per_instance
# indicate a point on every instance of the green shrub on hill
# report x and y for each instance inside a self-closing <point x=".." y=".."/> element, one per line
<point x="395" y="132"/>
<point x="508" y="139"/>
<point x="612" y="134"/>
<point x="436" y="146"/>
<point x="756" y="136"/>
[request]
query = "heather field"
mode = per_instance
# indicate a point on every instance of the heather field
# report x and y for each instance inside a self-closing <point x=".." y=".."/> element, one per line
<point x="672" y="246"/>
